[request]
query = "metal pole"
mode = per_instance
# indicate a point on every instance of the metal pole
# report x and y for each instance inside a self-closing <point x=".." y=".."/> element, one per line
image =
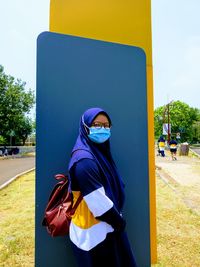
<point x="168" y="130"/>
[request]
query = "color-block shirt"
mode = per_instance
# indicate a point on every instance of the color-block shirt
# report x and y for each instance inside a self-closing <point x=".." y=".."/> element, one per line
<point x="89" y="227"/>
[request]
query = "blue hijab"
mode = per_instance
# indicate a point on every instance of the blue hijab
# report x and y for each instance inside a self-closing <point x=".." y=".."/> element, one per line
<point x="101" y="153"/>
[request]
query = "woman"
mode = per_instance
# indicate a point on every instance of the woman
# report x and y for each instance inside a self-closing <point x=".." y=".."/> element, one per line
<point x="173" y="148"/>
<point x="97" y="227"/>
<point x="161" y="146"/>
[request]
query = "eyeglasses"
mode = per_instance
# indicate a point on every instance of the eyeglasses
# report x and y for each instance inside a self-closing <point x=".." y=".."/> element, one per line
<point x="99" y="125"/>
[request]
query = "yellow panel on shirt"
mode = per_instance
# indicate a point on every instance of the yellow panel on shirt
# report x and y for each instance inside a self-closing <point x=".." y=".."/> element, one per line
<point x="173" y="146"/>
<point x="85" y="231"/>
<point x="161" y="144"/>
<point x="83" y="217"/>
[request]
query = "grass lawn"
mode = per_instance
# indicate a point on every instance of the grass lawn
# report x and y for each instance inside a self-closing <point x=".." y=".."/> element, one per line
<point x="178" y="230"/>
<point x="178" y="227"/>
<point x="17" y="223"/>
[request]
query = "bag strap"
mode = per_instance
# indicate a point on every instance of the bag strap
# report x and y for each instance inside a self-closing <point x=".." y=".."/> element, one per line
<point x="65" y="179"/>
<point x="60" y="176"/>
<point x="76" y="204"/>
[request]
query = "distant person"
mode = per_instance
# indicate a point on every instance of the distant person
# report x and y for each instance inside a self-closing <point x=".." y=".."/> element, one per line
<point x="5" y="151"/>
<point x="173" y="148"/>
<point x="158" y="150"/>
<point x="15" y="151"/>
<point x="161" y="146"/>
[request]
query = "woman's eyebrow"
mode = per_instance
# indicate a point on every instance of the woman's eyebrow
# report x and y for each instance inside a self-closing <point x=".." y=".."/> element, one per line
<point x="101" y="121"/>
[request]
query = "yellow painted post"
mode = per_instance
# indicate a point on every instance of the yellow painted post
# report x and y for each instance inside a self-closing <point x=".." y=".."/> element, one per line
<point x="119" y="21"/>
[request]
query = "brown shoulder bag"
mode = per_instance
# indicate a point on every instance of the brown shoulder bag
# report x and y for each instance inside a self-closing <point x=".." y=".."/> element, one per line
<point x="60" y="208"/>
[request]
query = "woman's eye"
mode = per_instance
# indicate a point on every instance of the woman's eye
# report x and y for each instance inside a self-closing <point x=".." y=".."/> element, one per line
<point x="100" y="125"/>
<point x="97" y="125"/>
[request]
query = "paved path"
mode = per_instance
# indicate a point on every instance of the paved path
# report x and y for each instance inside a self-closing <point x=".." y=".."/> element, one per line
<point x="197" y="150"/>
<point x="11" y="167"/>
<point x="183" y="176"/>
<point x="185" y="171"/>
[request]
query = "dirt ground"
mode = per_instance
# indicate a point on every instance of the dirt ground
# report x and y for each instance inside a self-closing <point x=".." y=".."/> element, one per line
<point x="183" y="176"/>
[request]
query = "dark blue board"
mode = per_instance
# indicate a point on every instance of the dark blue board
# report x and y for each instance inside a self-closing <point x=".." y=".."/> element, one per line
<point x="74" y="74"/>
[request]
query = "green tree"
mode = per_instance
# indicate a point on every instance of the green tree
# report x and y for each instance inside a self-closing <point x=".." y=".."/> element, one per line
<point x="24" y="129"/>
<point x="15" y="104"/>
<point x="182" y="117"/>
<point x="196" y="132"/>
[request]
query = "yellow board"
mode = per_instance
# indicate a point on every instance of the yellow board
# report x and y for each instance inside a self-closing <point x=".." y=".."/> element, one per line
<point x="119" y="21"/>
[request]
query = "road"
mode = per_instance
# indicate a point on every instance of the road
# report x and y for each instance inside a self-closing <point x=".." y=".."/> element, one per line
<point x="11" y="167"/>
<point x="196" y="149"/>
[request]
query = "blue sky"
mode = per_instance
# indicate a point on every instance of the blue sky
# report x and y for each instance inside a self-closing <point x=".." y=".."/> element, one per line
<point x="176" y="51"/>
<point x="175" y="39"/>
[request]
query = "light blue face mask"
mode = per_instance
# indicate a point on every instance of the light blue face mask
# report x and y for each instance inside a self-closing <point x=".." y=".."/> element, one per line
<point x="98" y="135"/>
